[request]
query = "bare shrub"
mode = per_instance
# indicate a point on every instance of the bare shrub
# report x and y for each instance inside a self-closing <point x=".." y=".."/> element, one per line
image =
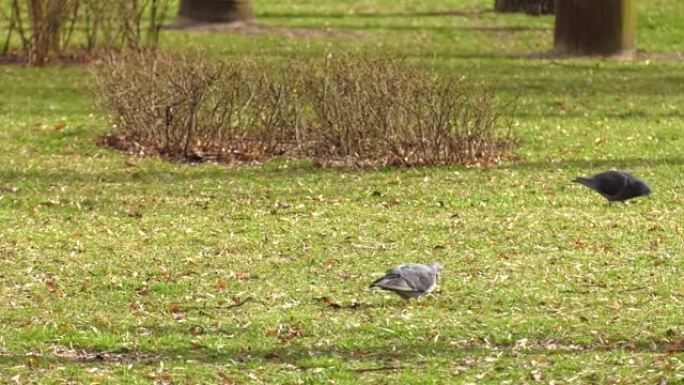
<point x="43" y="30"/>
<point x="381" y="109"/>
<point x="351" y="111"/>
<point x="186" y="107"/>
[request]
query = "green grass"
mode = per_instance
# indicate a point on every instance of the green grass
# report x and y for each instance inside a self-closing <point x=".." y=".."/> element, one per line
<point x="104" y="252"/>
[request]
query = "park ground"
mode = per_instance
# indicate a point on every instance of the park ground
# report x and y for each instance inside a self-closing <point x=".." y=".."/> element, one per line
<point x="124" y="270"/>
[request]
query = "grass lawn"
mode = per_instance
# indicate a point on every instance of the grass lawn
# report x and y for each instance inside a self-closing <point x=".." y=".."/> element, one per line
<point x="125" y="270"/>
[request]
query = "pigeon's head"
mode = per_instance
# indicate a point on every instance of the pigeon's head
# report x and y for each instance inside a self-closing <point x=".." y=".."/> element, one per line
<point x="436" y="267"/>
<point x="643" y="189"/>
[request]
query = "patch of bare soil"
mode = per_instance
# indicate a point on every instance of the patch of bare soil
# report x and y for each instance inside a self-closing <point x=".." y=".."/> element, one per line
<point x="243" y="156"/>
<point x="660" y="56"/>
<point x="252" y="28"/>
<point x="638" y="56"/>
<point x="233" y="156"/>
<point x="367" y="14"/>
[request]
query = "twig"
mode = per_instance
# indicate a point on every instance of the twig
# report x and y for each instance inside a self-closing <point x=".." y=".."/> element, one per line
<point x="361" y="370"/>
<point x="248" y="299"/>
<point x="382" y="368"/>
<point x="9" y="32"/>
<point x="575" y="291"/>
<point x="633" y="289"/>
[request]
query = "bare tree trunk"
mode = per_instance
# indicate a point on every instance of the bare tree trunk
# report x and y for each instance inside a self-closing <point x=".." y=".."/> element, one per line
<point x="508" y="5"/>
<point x="532" y="7"/>
<point x="214" y="11"/>
<point x="592" y="27"/>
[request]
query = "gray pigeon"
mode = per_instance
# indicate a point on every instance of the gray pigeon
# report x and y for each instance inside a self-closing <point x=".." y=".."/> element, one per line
<point x="409" y="280"/>
<point x="616" y="185"/>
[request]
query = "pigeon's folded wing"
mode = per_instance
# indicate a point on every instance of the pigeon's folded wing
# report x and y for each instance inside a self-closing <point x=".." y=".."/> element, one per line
<point x="393" y="282"/>
<point x="419" y="279"/>
<point x="611" y="183"/>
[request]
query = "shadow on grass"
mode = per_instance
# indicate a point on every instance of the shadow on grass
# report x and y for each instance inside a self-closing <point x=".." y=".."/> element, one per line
<point x="356" y="358"/>
<point x="260" y="175"/>
<point x="436" y="28"/>
<point x="339" y="15"/>
<point x="255" y="173"/>
<point x="624" y="163"/>
<point x="617" y="116"/>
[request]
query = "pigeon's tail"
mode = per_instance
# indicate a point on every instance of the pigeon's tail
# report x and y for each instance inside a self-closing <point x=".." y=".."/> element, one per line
<point x="589" y="182"/>
<point x="376" y="282"/>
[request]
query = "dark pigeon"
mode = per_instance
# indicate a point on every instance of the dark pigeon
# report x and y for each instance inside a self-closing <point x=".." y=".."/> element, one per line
<point x="616" y="186"/>
<point x="409" y="280"/>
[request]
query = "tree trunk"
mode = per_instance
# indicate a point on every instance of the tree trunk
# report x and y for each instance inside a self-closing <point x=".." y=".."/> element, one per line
<point x="214" y="11"/>
<point x="509" y="5"/>
<point x="592" y="27"/>
<point x="532" y="7"/>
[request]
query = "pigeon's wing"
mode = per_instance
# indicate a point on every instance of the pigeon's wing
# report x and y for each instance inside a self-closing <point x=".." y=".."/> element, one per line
<point x="395" y="270"/>
<point x="611" y="182"/>
<point x="393" y="282"/>
<point x="419" y="277"/>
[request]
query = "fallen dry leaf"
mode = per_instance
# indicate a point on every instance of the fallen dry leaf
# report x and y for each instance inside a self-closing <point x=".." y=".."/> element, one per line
<point x="330" y="303"/>
<point x="51" y="284"/>
<point x="226" y="380"/>
<point x="537" y="375"/>
<point x="32" y="362"/>
<point x="285" y="333"/>
<point x="391" y="202"/>
<point x="291" y="333"/>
